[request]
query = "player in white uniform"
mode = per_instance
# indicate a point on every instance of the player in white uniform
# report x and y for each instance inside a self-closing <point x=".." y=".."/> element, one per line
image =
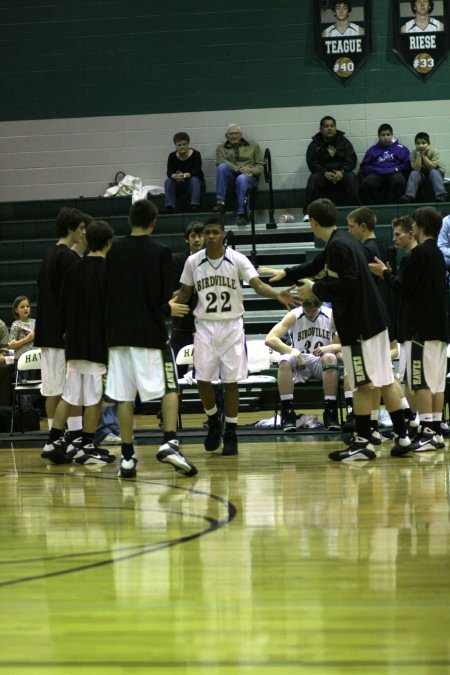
<point x="214" y="274"/>
<point x="342" y="27"/>
<point x="312" y="355"/>
<point x="422" y="22"/>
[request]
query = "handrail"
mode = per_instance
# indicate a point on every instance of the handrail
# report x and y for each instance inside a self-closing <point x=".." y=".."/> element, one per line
<point x="248" y="201"/>
<point x="271" y="225"/>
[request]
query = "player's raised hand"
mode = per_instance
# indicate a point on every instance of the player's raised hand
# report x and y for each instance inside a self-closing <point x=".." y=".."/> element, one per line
<point x="275" y="275"/>
<point x="305" y="288"/>
<point x="288" y="299"/>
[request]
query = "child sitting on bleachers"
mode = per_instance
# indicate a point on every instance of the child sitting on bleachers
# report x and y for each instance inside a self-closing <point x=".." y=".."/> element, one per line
<point x="426" y="166"/>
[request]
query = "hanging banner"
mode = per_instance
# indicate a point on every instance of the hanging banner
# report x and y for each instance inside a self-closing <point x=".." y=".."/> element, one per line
<point x="421" y="33"/>
<point x="342" y="35"/>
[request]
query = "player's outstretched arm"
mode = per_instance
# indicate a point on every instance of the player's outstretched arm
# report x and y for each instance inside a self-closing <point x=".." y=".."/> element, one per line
<point x="275" y="275"/>
<point x="265" y="291"/>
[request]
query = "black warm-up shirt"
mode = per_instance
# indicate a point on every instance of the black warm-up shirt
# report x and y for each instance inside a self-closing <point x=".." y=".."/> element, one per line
<point x="347" y="283"/>
<point x="140" y="281"/>
<point x="84" y="311"/>
<point x="422" y="289"/>
<point x="56" y="265"/>
<point x="376" y="248"/>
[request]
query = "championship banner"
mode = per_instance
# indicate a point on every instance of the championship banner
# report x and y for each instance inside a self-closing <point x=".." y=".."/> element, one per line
<point x="342" y="35"/>
<point x="421" y="33"/>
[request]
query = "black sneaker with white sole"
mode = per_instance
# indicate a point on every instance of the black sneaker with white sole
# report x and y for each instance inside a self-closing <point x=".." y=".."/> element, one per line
<point x="359" y="450"/>
<point x="289" y="421"/>
<point x="425" y="441"/>
<point x="56" y="452"/>
<point x="94" y="455"/>
<point x="375" y="437"/>
<point x="402" y="447"/>
<point x="439" y="440"/>
<point x="127" y="467"/>
<point x="74" y="448"/>
<point x="170" y="453"/>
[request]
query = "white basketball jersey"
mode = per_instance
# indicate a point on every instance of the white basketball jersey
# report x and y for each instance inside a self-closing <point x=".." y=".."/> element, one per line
<point x="307" y="335"/>
<point x="431" y="27"/>
<point x="217" y="284"/>
<point x="352" y="30"/>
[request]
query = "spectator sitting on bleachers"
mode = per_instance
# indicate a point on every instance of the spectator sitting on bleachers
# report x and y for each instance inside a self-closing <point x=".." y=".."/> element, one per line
<point x="331" y="159"/>
<point x="385" y="164"/>
<point x="239" y="166"/>
<point x="184" y="173"/>
<point x="426" y="166"/>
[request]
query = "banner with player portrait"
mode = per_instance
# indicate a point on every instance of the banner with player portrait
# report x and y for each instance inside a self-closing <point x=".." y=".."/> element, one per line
<point x="342" y="35"/>
<point x="421" y="33"/>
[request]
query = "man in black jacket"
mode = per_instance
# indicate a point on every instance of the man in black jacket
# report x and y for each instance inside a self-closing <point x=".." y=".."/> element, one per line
<point x="331" y="159"/>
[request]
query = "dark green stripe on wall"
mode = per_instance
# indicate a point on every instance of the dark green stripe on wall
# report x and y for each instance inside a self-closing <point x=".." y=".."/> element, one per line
<point x="91" y="57"/>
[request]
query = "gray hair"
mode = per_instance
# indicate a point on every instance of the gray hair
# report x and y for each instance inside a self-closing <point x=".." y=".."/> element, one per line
<point x="235" y="127"/>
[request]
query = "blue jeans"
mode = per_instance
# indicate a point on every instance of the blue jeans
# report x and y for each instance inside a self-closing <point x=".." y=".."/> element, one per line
<point x="416" y="179"/>
<point x="108" y="423"/>
<point x="227" y="179"/>
<point x="173" y="188"/>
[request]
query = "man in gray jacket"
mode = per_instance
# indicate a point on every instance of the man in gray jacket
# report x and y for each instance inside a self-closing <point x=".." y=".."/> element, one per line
<point x="239" y="166"/>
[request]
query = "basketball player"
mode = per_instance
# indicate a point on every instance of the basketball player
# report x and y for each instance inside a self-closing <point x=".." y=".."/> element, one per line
<point x="215" y="274"/>
<point x="403" y="239"/>
<point x="140" y="284"/>
<point x="422" y="288"/>
<point x="342" y="27"/>
<point x="361" y="322"/>
<point x="59" y="260"/>
<point x="311" y="328"/>
<point x="422" y="22"/>
<point x="84" y="311"/>
<point x="362" y="225"/>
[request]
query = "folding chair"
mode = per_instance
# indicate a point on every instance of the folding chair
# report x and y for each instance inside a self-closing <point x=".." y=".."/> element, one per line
<point x="28" y="361"/>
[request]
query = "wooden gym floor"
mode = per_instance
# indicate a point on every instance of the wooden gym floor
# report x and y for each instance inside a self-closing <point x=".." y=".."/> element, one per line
<point x="277" y="561"/>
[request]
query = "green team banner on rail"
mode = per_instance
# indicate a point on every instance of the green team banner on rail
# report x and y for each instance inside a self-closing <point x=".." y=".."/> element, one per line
<point x="342" y="36"/>
<point x="420" y="33"/>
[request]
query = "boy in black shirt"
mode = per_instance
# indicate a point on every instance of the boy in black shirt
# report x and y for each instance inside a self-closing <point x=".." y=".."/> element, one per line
<point x="140" y="287"/>
<point x="59" y="260"/>
<point x="360" y="319"/>
<point x="422" y="288"/>
<point x="84" y="297"/>
<point x="362" y="225"/>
